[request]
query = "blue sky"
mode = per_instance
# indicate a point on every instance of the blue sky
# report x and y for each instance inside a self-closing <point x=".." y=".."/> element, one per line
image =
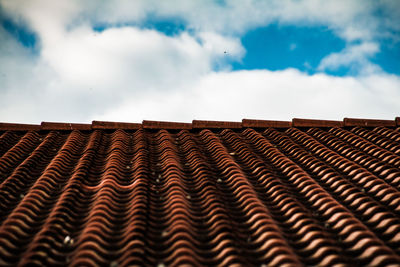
<point x="277" y="47"/>
<point x="272" y="47"/>
<point x="73" y="61"/>
<point x="21" y="33"/>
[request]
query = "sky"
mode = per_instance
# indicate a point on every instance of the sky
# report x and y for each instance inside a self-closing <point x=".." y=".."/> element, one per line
<point x="78" y="61"/>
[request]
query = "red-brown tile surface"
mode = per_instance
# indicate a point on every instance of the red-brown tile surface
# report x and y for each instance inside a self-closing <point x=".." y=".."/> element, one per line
<point x="315" y="123"/>
<point x="368" y="122"/>
<point x="215" y="124"/>
<point x="104" y="125"/>
<point x="165" y="125"/>
<point x="217" y="193"/>
<point x="64" y="126"/>
<point x="18" y="126"/>
<point x="265" y="124"/>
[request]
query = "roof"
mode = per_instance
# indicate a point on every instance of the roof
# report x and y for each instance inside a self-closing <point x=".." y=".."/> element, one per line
<point x="255" y="192"/>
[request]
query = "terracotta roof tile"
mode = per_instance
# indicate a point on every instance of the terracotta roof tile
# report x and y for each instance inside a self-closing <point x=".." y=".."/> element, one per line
<point x="65" y="126"/>
<point x="265" y="124"/>
<point x="216" y="124"/>
<point x="165" y="125"/>
<point x="104" y="125"/>
<point x="250" y="194"/>
<point x="315" y="123"/>
<point x="368" y="122"/>
<point x="18" y="127"/>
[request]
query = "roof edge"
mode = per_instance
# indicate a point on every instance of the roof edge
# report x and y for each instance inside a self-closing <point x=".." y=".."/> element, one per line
<point x="296" y="122"/>
<point x="249" y="123"/>
<point x="64" y="126"/>
<point x="166" y="125"/>
<point x="369" y="122"/>
<point x="5" y="126"/>
<point x="109" y="125"/>
<point x="196" y="124"/>
<point x="199" y="124"/>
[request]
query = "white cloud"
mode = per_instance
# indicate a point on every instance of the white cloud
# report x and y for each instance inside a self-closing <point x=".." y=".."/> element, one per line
<point x="354" y="56"/>
<point x="350" y="19"/>
<point x="16" y="63"/>
<point x="120" y="56"/>
<point x="268" y="95"/>
<point x="47" y="18"/>
<point x="87" y="71"/>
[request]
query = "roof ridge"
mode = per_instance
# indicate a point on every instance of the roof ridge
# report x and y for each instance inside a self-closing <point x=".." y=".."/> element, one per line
<point x="296" y="122"/>
<point x="199" y="124"/>
<point x="216" y="124"/>
<point x="64" y="126"/>
<point x="248" y="123"/>
<point x="166" y="125"/>
<point x="18" y="126"/>
<point x="369" y="122"/>
<point x="111" y="125"/>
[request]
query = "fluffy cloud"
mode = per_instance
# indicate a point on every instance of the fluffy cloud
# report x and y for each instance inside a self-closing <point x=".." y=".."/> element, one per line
<point x="90" y="71"/>
<point x="268" y="94"/>
<point x="352" y="20"/>
<point x="354" y="56"/>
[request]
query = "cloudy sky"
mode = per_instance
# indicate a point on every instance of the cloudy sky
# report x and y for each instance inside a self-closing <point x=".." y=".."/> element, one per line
<point x="78" y="61"/>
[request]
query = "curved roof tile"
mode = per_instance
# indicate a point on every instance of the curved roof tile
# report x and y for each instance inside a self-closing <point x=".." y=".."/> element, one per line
<point x="249" y="193"/>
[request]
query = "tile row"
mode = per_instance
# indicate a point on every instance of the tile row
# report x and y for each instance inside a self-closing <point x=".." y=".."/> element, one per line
<point x="246" y="197"/>
<point x="199" y="124"/>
